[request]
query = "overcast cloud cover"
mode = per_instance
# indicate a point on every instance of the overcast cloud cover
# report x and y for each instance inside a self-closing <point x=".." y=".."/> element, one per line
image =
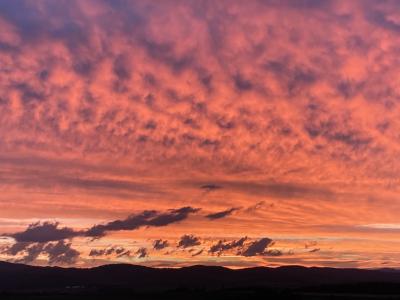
<point x="279" y="119"/>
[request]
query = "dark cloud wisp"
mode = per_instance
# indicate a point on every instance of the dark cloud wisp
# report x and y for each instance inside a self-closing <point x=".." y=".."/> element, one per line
<point x="145" y="218"/>
<point x="222" y="214"/>
<point x="115" y="251"/>
<point x="51" y="231"/>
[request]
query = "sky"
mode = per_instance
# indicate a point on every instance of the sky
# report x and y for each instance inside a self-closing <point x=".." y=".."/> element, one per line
<point x="173" y="133"/>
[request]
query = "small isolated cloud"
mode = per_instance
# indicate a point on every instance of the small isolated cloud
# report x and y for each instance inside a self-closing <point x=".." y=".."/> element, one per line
<point x="142" y="252"/>
<point x="188" y="241"/>
<point x="160" y="244"/>
<point x="96" y="252"/>
<point x="198" y="253"/>
<point x="257" y="247"/>
<point x="256" y="207"/>
<point x="273" y="252"/>
<point x="210" y="187"/>
<point x="310" y="244"/>
<point x="222" y="214"/>
<point x="110" y="251"/>
<point x="314" y="250"/>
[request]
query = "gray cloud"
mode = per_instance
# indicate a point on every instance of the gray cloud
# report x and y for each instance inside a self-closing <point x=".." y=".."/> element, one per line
<point x="198" y="253"/>
<point x="273" y="252"/>
<point x="222" y="246"/>
<point x="160" y="244"/>
<point x="210" y="187"/>
<point x="241" y="83"/>
<point x="16" y="248"/>
<point x="58" y="253"/>
<point x="222" y="214"/>
<point x="142" y="252"/>
<point x="383" y="20"/>
<point x="314" y="250"/>
<point x="188" y="241"/>
<point x="61" y="253"/>
<point x="335" y="128"/>
<point x="256" y="207"/>
<point x="32" y="252"/>
<point x="51" y="231"/>
<point x="274" y="189"/>
<point x="45" y="232"/>
<point x="164" y="53"/>
<point x="146" y="218"/>
<point x="115" y="251"/>
<point x="257" y="247"/>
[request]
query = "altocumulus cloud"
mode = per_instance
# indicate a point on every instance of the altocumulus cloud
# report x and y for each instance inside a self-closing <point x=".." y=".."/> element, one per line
<point x="280" y="114"/>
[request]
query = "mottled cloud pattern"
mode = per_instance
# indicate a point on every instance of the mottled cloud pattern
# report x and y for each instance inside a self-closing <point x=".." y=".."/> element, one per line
<point x="277" y="118"/>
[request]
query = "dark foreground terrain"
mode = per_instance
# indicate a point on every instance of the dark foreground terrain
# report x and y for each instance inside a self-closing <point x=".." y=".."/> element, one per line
<point x="198" y="282"/>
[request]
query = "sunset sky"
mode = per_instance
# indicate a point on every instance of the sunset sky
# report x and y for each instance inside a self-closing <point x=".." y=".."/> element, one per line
<point x="172" y="133"/>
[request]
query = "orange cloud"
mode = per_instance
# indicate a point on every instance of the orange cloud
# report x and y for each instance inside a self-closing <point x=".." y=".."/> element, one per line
<point x="287" y="110"/>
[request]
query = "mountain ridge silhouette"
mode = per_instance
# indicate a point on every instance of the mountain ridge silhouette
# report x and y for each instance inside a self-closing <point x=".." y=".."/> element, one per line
<point x="141" y="278"/>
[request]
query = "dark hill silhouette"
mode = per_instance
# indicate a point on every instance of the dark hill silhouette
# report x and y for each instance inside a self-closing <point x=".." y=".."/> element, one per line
<point x="24" y="277"/>
<point x="124" y="281"/>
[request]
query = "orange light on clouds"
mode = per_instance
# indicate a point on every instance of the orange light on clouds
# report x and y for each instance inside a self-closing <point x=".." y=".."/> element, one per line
<point x="286" y="111"/>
